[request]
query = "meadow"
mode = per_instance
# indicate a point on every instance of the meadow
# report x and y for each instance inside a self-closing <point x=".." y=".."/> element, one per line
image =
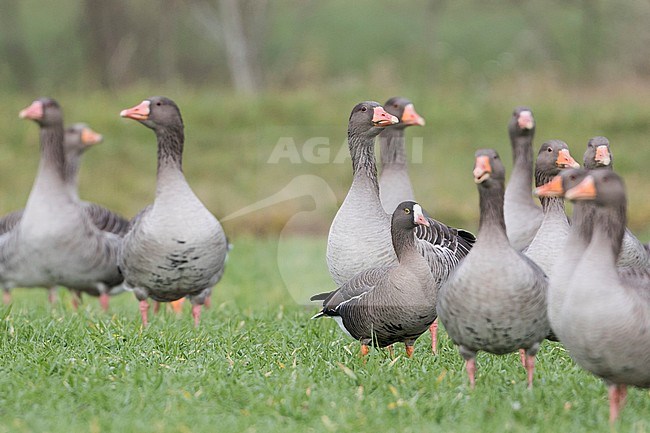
<point x="257" y="363"/>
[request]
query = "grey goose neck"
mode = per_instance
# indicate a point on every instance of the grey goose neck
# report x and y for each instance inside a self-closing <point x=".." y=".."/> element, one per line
<point x="53" y="164"/>
<point x="362" y="152"/>
<point x="392" y="147"/>
<point x="491" y="222"/>
<point x="522" y="158"/>
<point x="170" y="147"/>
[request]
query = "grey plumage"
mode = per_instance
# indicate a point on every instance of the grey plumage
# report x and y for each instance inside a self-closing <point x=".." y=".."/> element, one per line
<point x="598" y="155"/>
<point x="522" y="215"/>
<point x="604" y="319"/>
<point x="394" y="182"/>
<point x="175" y="246"/>
<point x="495" y="300"/>
<point x="388" y="304"/>
<point x="357" y="243"/>
<point x="54" y="242"/>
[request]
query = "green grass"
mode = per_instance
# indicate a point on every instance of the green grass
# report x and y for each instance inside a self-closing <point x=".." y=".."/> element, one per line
<point x="257" y="363"/>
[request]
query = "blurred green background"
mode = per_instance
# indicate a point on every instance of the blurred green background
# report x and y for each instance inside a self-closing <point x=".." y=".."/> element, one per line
<point x="253" y="77"/>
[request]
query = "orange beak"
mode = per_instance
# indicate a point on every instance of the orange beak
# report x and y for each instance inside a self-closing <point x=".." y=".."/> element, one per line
<point x="551" y="189"/>
<point x="564" y="160"/>
<point x="382" y="118"/>
<point x="602" y="155"/>
<point x="411" y="117"/>
<point x="585" y="190"/>
<point x="525" y="120"/>
<point x="90" y="137"/>
<point x="139" y="112"/>
<point x="482" y="169"/>
<point x="34" y="111"/>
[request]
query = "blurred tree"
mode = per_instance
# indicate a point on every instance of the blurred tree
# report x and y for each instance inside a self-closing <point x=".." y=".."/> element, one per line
<point x="239" y="25"/>
<point x="13" y="47"/>
<point x="107" y="46"/>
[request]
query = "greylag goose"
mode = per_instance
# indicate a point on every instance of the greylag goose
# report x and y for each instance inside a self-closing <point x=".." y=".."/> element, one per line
<point x="175" y="247"/>
<point x="571" y="251"/>
<point x="553" y="156"/>
<point x="598" y="155"/>
<point x="357" y="243"/>
<point x="388" y="304"/>
<point x="54" y="241"/>
<point x="78" y="138"/>
<point x="522" y="215"/>
<point x="394" y="183"/>
<point x="605" y="319"/>
<point x="495" y="299"/>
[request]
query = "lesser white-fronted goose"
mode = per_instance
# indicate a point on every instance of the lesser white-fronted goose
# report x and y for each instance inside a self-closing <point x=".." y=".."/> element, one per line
<point x="394" y="183"/>
<point x="522" y="215"/>
<point x="604" y="321"/>
<point x="388" y="304"/>
<point x="357" y="243"/>
<point x="495" y="299"/>
<point x="55" y="242"/>
<point x="175" y="247"/>
<point x="598" y="155"/>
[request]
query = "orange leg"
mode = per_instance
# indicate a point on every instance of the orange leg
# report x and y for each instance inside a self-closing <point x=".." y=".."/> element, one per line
<point x="391" y="351"/>
<point x="156" y="307"/>
<point x="433" y="329"/>
<point x="617" y="395"/>
<point x="177" y="305"/>
<point x="522" y="357"/>
<point x="530" y="369"/>
<point x="409" y="350"/>
<point x="470" y="366"/>
<point x="364" y="349"/>
<point x="103" y="301"/>
<point x="196" y="313"/>
<point x="208" y="302"/>
<point x="6" y="297"/>
<point x="144" y="310"/>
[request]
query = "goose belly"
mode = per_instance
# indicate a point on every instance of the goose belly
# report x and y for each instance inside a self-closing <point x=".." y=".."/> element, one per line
<point x="358" y="240"/>
<point x="172" y="256"/>
<point x="492" y="308"/>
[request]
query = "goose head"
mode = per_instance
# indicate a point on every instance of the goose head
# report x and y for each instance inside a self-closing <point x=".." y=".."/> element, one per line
<point x="44" y="111"/>
<point x="522" y="122"/>
<point x="368" y="119"/>
<point x="408" y="215"/>
<point x="598" y="153"/>
<point x="564" y="181"/>
<point x="404" y="110"/>
<point x="488" y="168"/>
<point x="79" y="137"/>
<point x="157" y="112"/>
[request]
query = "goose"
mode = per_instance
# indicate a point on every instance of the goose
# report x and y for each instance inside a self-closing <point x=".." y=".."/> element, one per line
<point x="598" y="155"/>
<point x="522" y="215"/>
<point x="495" y="299"/>
<point x="604" y="321"/>
<point x="552" y="157"/>
<point x="357" y="243"/>
<point x="394" y="183"/>
<point x="55" y="242"/>
<point x="78" y="138"/>
<point x="175" y="246"/>
<point x="388" y="304"/>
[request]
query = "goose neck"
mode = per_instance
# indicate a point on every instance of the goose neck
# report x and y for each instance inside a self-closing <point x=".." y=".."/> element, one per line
<point x="392" y="147"/>
<point x="170" y="148"/>
<point x="491" y="223"/>
<point x="363" y="160"/>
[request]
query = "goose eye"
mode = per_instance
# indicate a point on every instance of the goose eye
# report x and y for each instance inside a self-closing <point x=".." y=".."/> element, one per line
<point x="549" y="150"/>
<point x="364" y="108"/>
<point x="395" y="105"/>
<point x="159" y="103"/>
<point x="407" y="210"/>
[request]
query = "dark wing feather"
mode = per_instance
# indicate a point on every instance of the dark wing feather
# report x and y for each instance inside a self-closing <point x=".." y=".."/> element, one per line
<point x="356" y="288"/>
<point x="10" y="221"/>
<point x="443" y="247"/>
<point x="106" y="220"/>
